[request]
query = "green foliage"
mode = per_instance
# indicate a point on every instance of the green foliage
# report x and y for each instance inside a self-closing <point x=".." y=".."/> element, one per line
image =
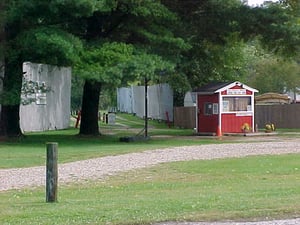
<point x="118" y="63"/>
<point x="292" y="6"/>
<point x="108" y="98"/>
<point x="11" y="97"/>
<point x="100" y="62"/>
<point x="38" y="31"/>
<point x="217" y="49"/>
<point x="136" y="40"/>
<point x="76" y="90"/>
<point x="49" y="46"/>
<point x="269" y="73"/>
<point x="282" y="36"/>
<point x="150" y="25"/>
<point x="148" y="65"/>
<point x="2" y="24"/>
<point x="219" y="31"/>
<point x="55" y="12"/>
<point x="217" y="62"/>
<point x="180" y="85"/>
<point x="152" y="10"/>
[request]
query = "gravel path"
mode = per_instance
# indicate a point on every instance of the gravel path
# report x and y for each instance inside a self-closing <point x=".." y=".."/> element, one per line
<point x="98" y="168"/>
<point x="93" y="169"/>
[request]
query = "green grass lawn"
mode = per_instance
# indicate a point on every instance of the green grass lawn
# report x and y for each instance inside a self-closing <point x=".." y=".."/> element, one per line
<point x="30" y="150"/>
<point x="251" y="188"/>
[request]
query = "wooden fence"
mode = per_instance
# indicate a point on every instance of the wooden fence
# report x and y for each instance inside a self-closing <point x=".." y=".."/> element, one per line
<point x="185" y="117"/>
<point x="283" y="116"/>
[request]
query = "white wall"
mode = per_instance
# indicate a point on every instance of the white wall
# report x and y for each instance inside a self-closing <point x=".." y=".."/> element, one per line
<point x="138" y="101"/>
<point x="124" y="97"/>
<point x="190" y="99"/>
<point x="55" y="114"/>
<point x="160" y="101"/>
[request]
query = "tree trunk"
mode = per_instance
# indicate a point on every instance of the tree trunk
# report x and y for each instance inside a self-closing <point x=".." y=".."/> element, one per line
<point x="89" y="111"/>
<point x="11" y="79"/>
<point x="9" y="122"/>
<point x="10" y="105"/>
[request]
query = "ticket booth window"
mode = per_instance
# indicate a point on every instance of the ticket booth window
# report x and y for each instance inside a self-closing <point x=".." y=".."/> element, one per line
<point x="235" y="104"/>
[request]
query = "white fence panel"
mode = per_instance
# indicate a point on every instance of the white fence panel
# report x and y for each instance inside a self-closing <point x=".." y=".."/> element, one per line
<point x="55" y="114"/>
<point x="124" y="99"/>
<point x="138" y="93"/>
<point x="166" y="96"/>
<point x="160" y="101"/>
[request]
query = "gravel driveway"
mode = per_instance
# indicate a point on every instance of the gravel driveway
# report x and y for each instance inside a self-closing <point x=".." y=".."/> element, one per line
<point x="98" y="168"/>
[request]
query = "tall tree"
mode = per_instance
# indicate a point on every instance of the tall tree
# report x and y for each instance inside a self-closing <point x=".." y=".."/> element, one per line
<point x="268" y="72"/>
<point x="219" y="30"/>
<point x="273" y="74"/>
<point x="35" y="31"/>
<point x="146" y="26"/>
<point x="99" y="65"/>
<point x="55" y="32"/>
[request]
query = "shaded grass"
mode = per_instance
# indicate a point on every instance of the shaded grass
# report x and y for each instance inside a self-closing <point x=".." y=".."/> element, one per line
<point x="131" y="120"/>
<point x="251" y="188"/>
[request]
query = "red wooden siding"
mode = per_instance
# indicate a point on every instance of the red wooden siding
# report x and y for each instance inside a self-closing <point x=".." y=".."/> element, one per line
<point x="207" y="123"/>
<point x="232" y="123"/>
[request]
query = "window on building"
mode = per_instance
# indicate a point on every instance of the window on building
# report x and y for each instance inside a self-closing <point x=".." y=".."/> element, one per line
<point x="233" y="104"/>
<point x="215" y="108"/>
<point x="208" y="108"/>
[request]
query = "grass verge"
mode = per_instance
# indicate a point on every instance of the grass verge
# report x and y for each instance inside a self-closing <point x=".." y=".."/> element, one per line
<point x="251" y="188"/>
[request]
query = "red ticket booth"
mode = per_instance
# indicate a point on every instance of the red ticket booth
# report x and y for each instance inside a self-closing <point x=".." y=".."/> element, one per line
<point x="225" y="107"/>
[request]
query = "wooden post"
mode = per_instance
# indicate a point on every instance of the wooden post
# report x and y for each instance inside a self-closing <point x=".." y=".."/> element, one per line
<point x="146" y="107"/>
<point x="78" y="118"/>
<point x="51" y="172"/>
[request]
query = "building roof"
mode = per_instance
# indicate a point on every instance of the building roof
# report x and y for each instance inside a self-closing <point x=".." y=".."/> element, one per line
<point x="212" y="87"/>
<point x="216" y="87"/>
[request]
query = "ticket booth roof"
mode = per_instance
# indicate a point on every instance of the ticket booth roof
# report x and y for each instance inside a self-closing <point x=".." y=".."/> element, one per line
<point x="215" y="87"/>
<point x="211" y="88"/>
